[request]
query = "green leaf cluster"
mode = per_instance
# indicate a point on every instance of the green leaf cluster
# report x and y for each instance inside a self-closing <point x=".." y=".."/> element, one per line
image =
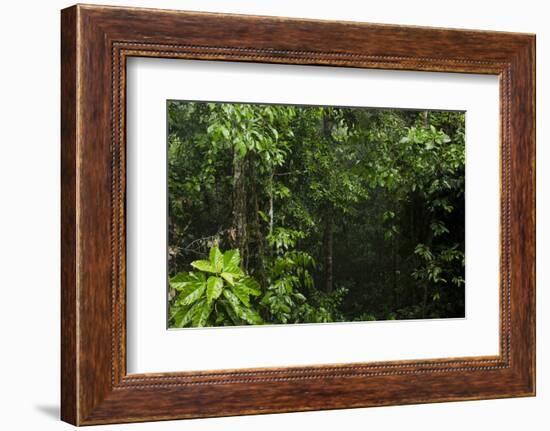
<point x="218" y="293"/>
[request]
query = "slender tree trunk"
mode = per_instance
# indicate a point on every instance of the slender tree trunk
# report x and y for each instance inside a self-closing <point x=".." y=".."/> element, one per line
<point x="327" y="126"/>
<point x="328" y="245"/>
<point x="328" y="234"/>
<point x="394" y="270"/>
<point x="256" y="239"/>
<point x="424" y="300"/>
<point x="239" y="205"/>
<point x="271" y="204"/>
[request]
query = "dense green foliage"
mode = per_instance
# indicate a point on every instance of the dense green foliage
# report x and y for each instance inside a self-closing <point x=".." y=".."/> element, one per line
<point x="218" y="294"/>
<point x="326" y="214"/>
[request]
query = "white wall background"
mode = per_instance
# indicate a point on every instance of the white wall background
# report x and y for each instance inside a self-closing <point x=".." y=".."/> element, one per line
<point x="29" y="215"/>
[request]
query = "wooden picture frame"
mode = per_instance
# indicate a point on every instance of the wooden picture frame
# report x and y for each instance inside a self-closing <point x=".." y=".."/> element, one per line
<point x="95" y="43"/>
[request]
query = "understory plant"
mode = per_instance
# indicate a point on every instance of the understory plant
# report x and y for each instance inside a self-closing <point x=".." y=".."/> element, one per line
<point x="218" y="293"/>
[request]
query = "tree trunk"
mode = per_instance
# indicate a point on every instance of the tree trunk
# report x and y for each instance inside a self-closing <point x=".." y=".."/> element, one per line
<point x="271" y="204"/>
<point x="396" y="304"/>
<point x="327" y="126"/>
<point x="328" y="243"/>
<point x="239" y="205"/>
<point x="256" y="238"/>
<point x="329" y="218"/>
<point x="424" y="300"/>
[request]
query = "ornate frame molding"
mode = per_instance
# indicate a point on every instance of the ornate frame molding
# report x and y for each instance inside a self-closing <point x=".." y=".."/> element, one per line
<point x="96" y="41"/>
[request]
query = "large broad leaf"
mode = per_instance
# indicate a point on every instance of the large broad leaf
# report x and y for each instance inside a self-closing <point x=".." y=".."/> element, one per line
<point x="201" y="313"/>
<point x="244" y="288"/>
<point x="178" y="317"/>
<point x="228" y="277"/>
<point x="184" y="315"/>
<point x="250" y="316"/>
<point x="230" y="312"/>
<point x="180" y="277"/>
<point x="251" y="285"/>
<point x="216" y="259"/>
<point x="191" y="293"/>
<point x="204" y="265"/>
<point x="213" y="289"/>
<point x="182" y="280"/>
<point x="232" y="299"/>
<point x="244" y="313"/>
<point x="242" y="293"/>
<point x="231" y="262"/>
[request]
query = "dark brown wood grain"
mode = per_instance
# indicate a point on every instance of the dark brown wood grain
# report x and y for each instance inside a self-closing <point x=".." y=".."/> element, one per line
<point x="68" y="217"/>
<point x="96" y="41"/>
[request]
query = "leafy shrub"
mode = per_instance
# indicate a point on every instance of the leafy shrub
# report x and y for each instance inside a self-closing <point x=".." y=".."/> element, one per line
<point x="324" y="306"/>
<point x="289" y="274"/>
<point x="217" y="294"/>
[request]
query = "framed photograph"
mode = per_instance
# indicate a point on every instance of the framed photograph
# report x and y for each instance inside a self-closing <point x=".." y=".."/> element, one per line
<point x="264" y="215"/>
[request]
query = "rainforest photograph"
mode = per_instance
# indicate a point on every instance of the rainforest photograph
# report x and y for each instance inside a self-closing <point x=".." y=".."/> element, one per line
<point x="293" y="214"/>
